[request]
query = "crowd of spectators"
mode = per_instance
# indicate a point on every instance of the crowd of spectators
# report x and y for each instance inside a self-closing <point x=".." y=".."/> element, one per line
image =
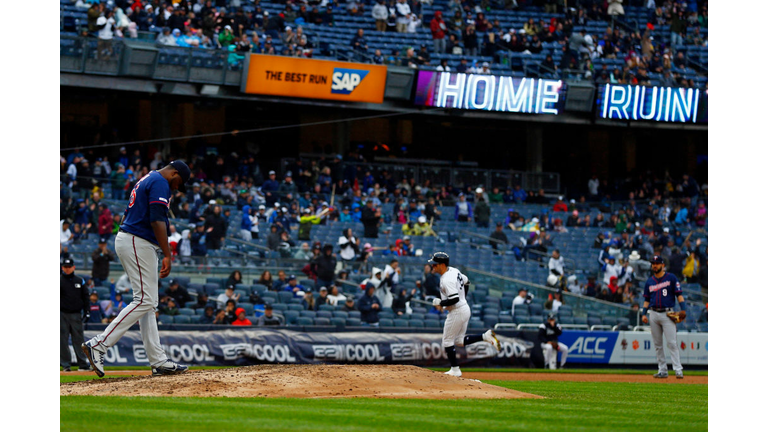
<point x="650" y="220"/>
<point x="464" y="30"/>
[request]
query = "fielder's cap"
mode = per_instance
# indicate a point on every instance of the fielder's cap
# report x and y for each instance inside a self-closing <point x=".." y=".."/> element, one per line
<point x="657" y="260"/>
<point x="67" y="262"/>
<point x="102" y="240"/>
<point x="439" y="258"/>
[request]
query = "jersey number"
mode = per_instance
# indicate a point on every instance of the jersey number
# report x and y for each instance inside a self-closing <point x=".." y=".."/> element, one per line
<point x="132" y="198"/>
<point x="664" y="292"/>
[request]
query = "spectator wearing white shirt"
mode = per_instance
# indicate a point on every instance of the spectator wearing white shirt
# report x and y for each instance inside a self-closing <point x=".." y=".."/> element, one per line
<point x="413" y="23"/>
<point x="593" y="184"/>
<point x="522" y="298"/>
<point x="380" y="13"/>
<point x="106" y="26"/>
<point x="65" y="234"/>
<point x="403" y="13"/>
<point x="612" y="269"/>
<point x="556" y="263"/>
<point x="348" y="245"/>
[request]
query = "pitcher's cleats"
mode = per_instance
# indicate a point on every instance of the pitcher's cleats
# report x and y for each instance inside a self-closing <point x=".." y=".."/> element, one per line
<point x="169" y="368"/>
<point x="96" y="358"/>
<point x="454" y="371"/>
<point x="660" y="375"/>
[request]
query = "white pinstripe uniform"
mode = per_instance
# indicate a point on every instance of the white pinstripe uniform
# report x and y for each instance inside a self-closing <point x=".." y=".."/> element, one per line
<point x="452" y="284"/>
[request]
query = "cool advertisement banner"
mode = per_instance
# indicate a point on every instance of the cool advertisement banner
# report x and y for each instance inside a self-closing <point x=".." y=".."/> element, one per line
<point x="489" y="92"/>
<point x="248" y="347"/>
<point x="314" y="79"/>
<point x="658" y="104"/>
<point x="631" y="347"/>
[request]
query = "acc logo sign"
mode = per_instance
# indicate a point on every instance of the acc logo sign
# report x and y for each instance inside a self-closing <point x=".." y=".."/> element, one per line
<point x="344" y="81"/>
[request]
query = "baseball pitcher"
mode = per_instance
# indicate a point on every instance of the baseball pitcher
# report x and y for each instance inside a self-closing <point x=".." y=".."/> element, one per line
<point x="143" y="232"/>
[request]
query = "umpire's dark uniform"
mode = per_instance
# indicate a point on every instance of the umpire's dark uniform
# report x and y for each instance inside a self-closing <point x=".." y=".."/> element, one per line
<point x="74" y="302"/>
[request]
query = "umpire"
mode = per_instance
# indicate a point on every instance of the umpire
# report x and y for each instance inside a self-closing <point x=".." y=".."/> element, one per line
<point x="73" y="296"/>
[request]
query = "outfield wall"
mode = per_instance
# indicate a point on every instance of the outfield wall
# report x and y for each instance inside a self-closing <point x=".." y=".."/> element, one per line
<point x="250" y="346"/>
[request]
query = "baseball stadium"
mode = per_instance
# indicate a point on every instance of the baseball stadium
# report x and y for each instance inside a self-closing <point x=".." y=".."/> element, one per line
<point x="383" y="215"/>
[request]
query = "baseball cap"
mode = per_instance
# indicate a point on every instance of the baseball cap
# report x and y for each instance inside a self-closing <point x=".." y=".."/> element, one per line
<point x="67" y="262"/>
<point x="657" y="260"/>
<point x="267" y="307"/>
<point x="291" y="277"/>
<point x="271" y="173"/>
<point x="232" y="287"/>
<point x="184" y="172"/>
<point x="173" y="282"/>
<point x="406" y="238"/>
<point x="422" y="219"/>
<point x="262" y="207"/>
<point x="323" y="289"/>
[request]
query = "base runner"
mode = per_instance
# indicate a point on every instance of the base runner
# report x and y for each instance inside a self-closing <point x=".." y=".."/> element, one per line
<point x="453" y="298"/>
<point x="143" y="232"/>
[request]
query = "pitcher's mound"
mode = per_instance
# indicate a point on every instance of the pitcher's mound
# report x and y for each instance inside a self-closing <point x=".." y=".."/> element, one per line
<point x="299" y="381"/>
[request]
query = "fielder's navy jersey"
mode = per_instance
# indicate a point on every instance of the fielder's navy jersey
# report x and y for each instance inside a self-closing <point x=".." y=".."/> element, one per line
<point x="661" y="293"/>
<point x="152" y="189"/>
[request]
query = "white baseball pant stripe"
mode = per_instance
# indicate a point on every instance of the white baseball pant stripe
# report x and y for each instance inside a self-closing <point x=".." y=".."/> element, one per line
<point x="456" y="326"/>
<point x="550" y="355"/>
<point x="139" y="259"/>
<point x="662" y="327"/>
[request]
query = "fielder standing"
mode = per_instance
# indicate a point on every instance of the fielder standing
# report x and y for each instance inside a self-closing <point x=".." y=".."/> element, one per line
<point x="453" y="298"/>
<point x="660" y="292"/>
<point x="143" y="232"/>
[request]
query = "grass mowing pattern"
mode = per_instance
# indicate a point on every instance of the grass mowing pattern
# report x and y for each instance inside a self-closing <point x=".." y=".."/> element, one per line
<point x="569" y="406"/>
<point x="576" y="371"/>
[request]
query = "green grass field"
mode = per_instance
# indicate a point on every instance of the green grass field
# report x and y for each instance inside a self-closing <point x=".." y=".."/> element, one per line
<point x="570" y="406"/>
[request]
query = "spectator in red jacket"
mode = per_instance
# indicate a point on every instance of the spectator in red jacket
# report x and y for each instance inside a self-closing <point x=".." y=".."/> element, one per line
<point x="560" y="205"/>
<point x="241" y="319"/>
<point x="437" y="26"/>
<point x="105" y="221"/>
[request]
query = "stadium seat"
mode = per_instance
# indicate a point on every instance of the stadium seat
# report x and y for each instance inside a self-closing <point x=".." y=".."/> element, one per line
<point x="324" y="314"/>
<point x="354" y="314"/>
<point x="400" y="323"/>
<point x="416" y="323"/>
<point x="339" y="322"/>
<point x="280" y="307"/>
<point x="386" y="322"/>
<point x="320" y="321"/>
<point x="186" y="311"/>
<point x="284" y="296"/>
<point x="432" y="323"/>
<point x="353" y="322"/>
<point x="290" y="316"/>
<point x="165" y="319"/>
<point x="305" y="321"/>
<point x="326" y="307"/>
<point x="308" y="313"/>
<point x="182" y="319"/>
<point x="295" y="307"/>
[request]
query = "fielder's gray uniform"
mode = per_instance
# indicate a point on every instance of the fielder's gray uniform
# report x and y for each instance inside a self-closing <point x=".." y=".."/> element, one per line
<point x="452" y="284"/>
<point x="662" y="326"/>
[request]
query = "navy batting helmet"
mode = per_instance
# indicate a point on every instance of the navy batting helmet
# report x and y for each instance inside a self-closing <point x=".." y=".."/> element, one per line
<point x="439" y="258"/>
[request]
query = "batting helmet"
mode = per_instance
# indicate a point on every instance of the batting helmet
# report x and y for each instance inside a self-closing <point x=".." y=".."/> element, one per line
<point x="439" y="258"/>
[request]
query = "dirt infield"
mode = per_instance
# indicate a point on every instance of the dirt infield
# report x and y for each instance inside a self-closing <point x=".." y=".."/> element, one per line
<point x="299" y="381"/>
<point x="623" y="378"/>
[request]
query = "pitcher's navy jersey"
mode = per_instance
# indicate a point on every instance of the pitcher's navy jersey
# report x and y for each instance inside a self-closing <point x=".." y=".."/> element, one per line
<point x="661" y="293"/>
<point x="152" y="189"/>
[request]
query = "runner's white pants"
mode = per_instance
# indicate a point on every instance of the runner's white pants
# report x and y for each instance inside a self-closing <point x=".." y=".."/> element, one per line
<point x="139" y="259"/>
<point x="662" y="327"/>
<point x="550" y="355"/>
<point x="456" y="326"/>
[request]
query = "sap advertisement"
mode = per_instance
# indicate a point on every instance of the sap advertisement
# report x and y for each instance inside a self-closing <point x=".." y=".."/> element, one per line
<point x="489" y="93"/>
<point x="631" y="347"/>
<point x="646" y="103"/>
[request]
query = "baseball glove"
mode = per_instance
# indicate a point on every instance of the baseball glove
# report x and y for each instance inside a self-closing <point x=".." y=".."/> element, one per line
<point x="555" y="345"/>
<point x="676" y="316"/>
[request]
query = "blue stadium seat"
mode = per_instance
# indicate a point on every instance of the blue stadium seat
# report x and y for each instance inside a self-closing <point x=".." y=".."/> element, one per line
<point x="339" y="322"/>
<point x="165" y="319"/>
<point x="324" y="314"/>
<point x="305" y="321"/>
<point x="308" y="313"/>
<point x="432" y="323"/>
<point x="386" y="322"/>
<point x="182" y="319"/>
<point x="186" y="311"/>
<point x="400" y="323"/>
<point x="320" y="321"/>
<point x="354" y="314"/>
<point x="290" y="316"/>
<point x="353" y="322"/>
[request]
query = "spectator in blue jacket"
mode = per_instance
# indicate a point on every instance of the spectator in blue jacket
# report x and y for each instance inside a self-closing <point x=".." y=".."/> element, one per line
<point x="463" y="211"/>
<point x="269" y="188"/>
<point x="246" y="224"/>
<point x="519" y="194"/>
<point x="369" y="306"/>
<point x="294" y="287"/>
<point x="197" y="241"/>
<point x="95" y="313"/>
